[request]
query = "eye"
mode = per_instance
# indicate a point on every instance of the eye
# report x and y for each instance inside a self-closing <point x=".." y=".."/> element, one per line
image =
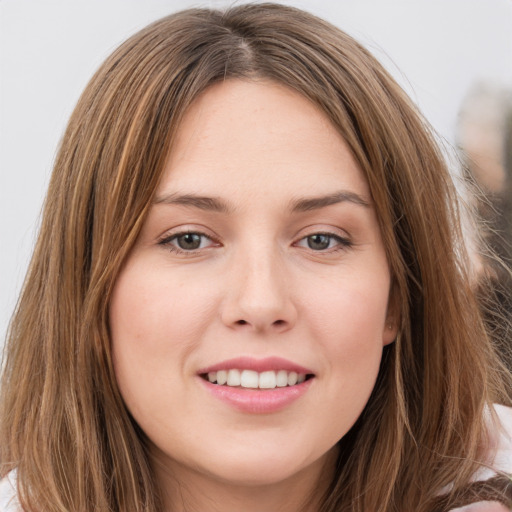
<point x="187" y="242"/>
<point x="323" y="242"/>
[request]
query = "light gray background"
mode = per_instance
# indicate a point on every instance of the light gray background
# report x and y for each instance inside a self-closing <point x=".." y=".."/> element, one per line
<point x="49" y="49"/>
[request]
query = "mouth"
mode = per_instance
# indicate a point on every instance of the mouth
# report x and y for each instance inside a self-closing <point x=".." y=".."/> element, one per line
<point x="251" y="379"/>
<point x="257" y="386"/>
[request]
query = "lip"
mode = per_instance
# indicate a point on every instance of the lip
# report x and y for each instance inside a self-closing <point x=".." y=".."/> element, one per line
<point x="257" y="365"/>
<point x="257" y="401"/>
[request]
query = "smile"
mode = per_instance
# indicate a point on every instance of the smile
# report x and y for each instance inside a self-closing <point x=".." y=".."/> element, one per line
<point x="257" y="386"/>
<point x="256" y="380"/>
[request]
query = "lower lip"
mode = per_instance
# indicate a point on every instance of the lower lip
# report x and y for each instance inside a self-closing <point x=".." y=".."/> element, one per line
<point x="258" y="401"/>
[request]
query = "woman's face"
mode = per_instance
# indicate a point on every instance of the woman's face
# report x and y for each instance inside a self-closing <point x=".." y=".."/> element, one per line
<point x="260" y="262"/>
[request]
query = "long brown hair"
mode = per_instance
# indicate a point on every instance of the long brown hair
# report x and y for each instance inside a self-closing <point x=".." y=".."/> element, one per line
<point x="64" y="427"/>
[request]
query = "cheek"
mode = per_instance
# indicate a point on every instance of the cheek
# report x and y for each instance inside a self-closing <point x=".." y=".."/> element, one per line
<point x="348" y="321"/>
<point x="154" y="325"/>
<point x="155" y="313"/>
<point x="350" y="314"/>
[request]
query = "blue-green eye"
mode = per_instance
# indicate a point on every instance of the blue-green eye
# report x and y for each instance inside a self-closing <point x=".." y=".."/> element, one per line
<point x="323" y="242"/>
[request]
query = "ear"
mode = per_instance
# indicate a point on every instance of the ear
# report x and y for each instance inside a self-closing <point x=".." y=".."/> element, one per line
<point x="393" y="317"/>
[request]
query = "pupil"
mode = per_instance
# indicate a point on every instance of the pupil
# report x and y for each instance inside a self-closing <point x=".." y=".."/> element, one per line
<point x="318" y="242"/>
<point x="189" y="241"/>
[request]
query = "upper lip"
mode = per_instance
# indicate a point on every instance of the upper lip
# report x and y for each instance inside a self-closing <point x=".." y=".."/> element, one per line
<point x="257" y="365"/>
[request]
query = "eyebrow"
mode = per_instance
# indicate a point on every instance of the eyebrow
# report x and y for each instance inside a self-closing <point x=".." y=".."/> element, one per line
<point x="315" y="203"/>
<point x="212" y="204"/>
<point x="216" y="204"/>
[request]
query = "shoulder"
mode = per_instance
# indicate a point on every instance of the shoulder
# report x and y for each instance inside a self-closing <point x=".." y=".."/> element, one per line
<point x="500" y="457"/>
<point x="500" y="441"/>
<point x="483" y="506"/>
<point x="8" y="499"/>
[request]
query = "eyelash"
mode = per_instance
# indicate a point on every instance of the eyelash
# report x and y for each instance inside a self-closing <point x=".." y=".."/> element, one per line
<point x="167" y="242"/>
<point x="342" y="243"/>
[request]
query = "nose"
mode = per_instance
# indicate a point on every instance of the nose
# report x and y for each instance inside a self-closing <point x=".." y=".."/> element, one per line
<point x="259" y="296"/>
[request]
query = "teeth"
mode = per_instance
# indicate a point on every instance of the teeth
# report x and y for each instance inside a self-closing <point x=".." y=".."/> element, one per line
<point x="282" y="379"/>
<point x="292" y="379"/>
<point x="267" y="380"/>
<point x="222" y="377"/>
<point x="233" y="378"/>
<point x="254" y="380"/>
<point x="248" y="379"/>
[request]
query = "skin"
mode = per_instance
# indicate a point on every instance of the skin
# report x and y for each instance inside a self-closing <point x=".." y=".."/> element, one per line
<point x="484" y="506"/>
<point x="254" y="287"/>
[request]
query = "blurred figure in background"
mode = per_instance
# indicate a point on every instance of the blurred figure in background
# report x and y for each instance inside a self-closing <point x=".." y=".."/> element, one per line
<point x="484" y="135"/>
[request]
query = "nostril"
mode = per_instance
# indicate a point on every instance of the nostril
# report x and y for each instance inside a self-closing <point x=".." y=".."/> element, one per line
<point x="275" y="324"/>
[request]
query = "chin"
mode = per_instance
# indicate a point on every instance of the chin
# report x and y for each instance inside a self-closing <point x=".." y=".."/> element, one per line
<point x="263" y="468"/>
<point x="261" y="475"/>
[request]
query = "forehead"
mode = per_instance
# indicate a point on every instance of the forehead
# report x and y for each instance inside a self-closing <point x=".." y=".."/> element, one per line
<point x="262" y="136"/>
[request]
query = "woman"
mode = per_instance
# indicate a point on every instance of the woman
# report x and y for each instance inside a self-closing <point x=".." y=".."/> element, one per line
<point x="250" y="290"/>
